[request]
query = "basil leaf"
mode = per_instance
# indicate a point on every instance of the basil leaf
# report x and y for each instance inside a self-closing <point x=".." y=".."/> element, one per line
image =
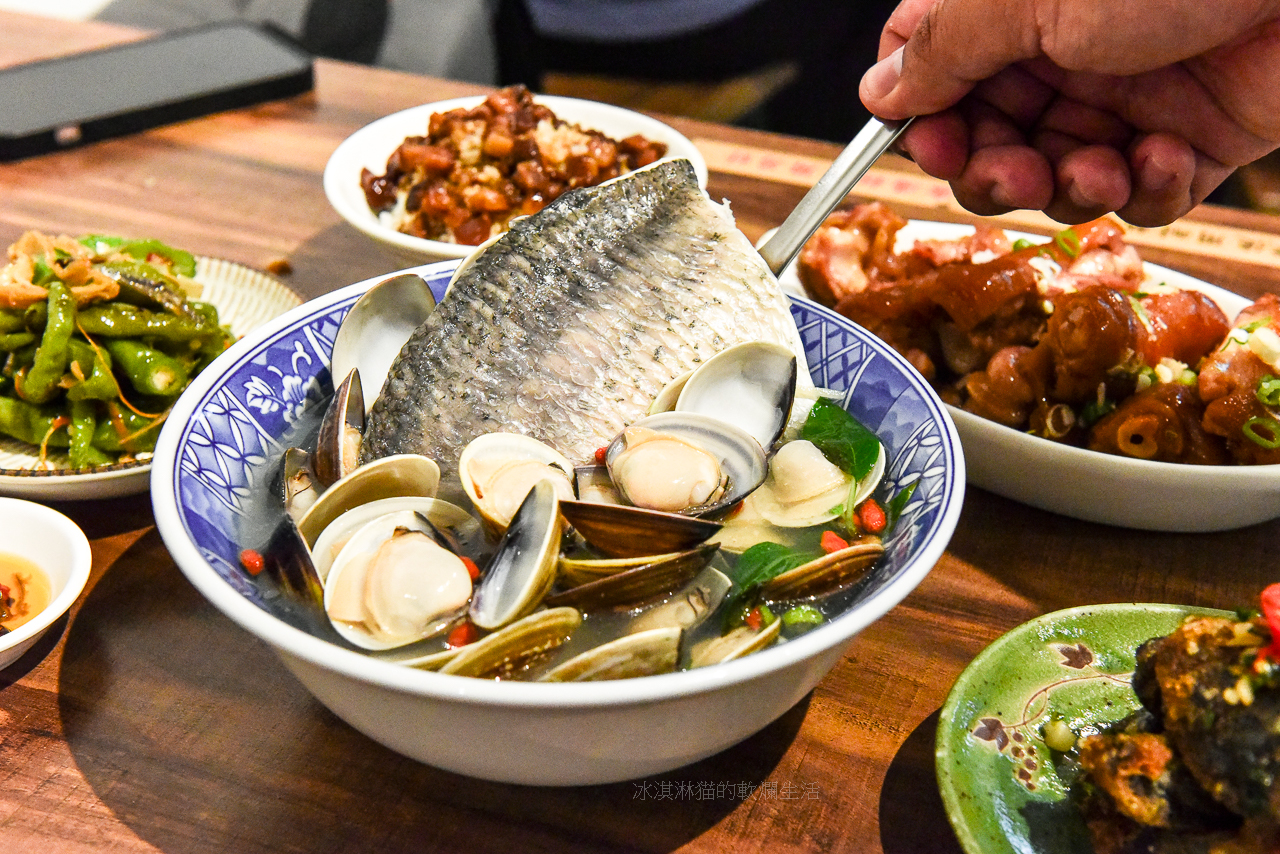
<point x="898" y="503"/>
<point x="767" y="560"/>
<point x="841" y="438"/>
<point x="757" y="565"/>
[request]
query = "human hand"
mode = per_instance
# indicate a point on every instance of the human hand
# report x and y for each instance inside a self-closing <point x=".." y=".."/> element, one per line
<point x="1082" y="108"/>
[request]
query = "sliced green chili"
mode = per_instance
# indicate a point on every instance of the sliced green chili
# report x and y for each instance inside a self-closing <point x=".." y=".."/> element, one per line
<point x="180" y="261"/>
<point x="800" y="619"/>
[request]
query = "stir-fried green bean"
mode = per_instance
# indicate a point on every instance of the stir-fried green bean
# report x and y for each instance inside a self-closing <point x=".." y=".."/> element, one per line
<point x="33" y="424"/>
<point x="98" y="379"/>
<point x="148" y="370"/>
<point x="39" y="384"/>
<point x="120" y="320"/>
<point x="92" y="373"/>
<point x="84" y="422"/>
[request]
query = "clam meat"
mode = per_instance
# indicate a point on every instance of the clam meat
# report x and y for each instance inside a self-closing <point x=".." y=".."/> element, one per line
<point x="685" y="462"/>
<point x="803" y="487"/>
<point x="498" y="470"/>
<point x="636" y="562"/>
<point x="395" y="583"/>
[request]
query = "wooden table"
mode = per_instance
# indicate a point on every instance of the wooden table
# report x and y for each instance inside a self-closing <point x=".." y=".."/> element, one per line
<point x="149" y="722"/>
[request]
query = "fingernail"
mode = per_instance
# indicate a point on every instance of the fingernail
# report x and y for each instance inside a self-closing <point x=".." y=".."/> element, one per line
<point x="883" y="76"/>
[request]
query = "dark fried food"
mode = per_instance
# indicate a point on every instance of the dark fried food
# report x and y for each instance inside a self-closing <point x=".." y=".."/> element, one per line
<point x="1202" y="770"/>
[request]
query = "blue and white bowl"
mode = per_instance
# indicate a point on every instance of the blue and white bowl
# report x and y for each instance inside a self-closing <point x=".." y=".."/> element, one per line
<point x="212" y="470"/>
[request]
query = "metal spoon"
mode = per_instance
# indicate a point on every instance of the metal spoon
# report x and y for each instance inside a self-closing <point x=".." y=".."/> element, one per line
<point x="852" y="163"/>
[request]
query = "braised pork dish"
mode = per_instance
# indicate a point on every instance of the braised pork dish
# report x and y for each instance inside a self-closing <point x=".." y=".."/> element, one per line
<point x="1069" y="340"/>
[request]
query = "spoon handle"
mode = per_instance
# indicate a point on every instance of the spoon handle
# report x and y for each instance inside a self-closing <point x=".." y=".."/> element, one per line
<point x="829" y="191"/>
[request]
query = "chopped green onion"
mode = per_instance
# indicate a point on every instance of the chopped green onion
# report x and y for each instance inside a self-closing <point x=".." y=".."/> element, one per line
<point x="1069" y="242"/>
<point x="1269" y="390"/>
<point x="1094" y="410"/>
<point x="1022" y="243"/>
<point x="1255" y="429"/>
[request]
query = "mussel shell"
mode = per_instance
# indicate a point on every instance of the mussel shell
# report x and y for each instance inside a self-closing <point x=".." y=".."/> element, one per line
<point x="741" y="457"/>
<point x="735" y="644"/>
<point x="645" y="653"/>
<point x="377" y="326"/>
<point x="509" y="650"/>
<point x="524" y="564"/>
<point x="336" y="454"/>
<point x="751" y="386"/>
<point x="620" y="530"/>
<point x="399" y="474"/>
<point x="826" y="573"/>
<point x="637" y="585"/>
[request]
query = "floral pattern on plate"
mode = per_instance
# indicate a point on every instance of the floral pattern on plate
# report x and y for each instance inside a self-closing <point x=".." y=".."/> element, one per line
<point x="998" y="778"/>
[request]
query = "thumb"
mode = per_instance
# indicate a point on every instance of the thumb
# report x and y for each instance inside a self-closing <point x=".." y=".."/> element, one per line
<point x="944" y="49"/>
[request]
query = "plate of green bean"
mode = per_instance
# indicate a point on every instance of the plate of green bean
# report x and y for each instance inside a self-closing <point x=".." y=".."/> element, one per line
<point x="99" y="336"/>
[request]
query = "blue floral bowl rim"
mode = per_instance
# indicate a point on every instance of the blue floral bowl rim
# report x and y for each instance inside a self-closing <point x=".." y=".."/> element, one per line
<point x="289" y="640"/>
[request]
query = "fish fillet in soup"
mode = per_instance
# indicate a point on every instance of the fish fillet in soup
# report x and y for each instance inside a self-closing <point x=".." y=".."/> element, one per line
<point x="567" y="327"/>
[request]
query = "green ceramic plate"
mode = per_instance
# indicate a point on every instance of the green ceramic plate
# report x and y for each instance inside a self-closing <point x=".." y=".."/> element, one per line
<point x="998" y="781"/>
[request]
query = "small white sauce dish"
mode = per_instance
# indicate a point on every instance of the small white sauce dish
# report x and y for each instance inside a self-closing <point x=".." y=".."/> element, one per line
<point x="59" y="548"/>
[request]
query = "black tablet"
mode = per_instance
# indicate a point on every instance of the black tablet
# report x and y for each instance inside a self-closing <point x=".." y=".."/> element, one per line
<point x="85" y="97"/>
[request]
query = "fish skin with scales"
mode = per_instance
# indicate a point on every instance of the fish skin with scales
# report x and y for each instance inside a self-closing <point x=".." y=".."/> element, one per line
<point x="568" y="326"/>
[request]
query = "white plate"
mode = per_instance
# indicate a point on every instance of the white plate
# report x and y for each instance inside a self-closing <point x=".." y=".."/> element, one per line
<point x="1099" y="487"/>
<point x="369" y="148"/>
<point x="245" y="299"/>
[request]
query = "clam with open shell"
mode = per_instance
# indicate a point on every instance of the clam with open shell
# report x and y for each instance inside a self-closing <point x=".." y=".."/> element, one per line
<point x="395" y="582"/>
<point x="685" y="462"/>
<point x="497" y="471"/>
<point x="628" y="544"/>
